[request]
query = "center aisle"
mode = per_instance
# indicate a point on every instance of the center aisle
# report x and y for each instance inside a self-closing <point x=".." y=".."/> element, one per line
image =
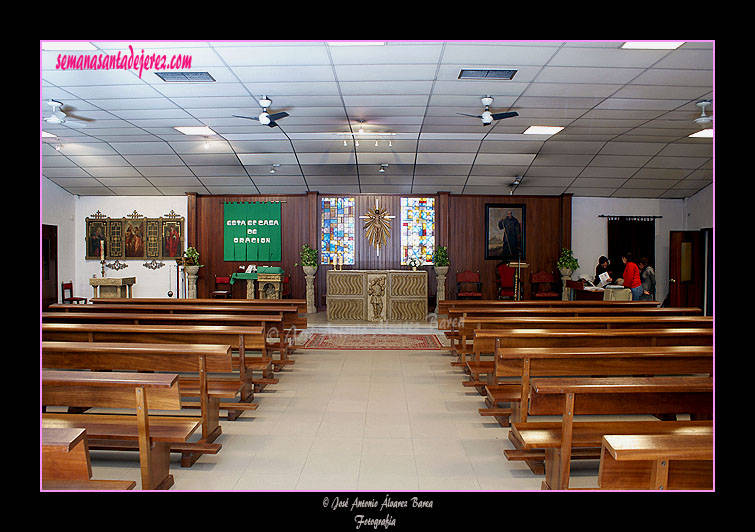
<point x="341" y="420"/>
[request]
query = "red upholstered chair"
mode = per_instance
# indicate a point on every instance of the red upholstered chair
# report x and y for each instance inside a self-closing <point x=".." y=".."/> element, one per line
<point x="542" y="283"/>
<point x="67" y="288"/>
<point x="220" y="282"/>
<point x="505" y="276"/>
<point x="468" y="285"/>
<point x="286" y="290"/>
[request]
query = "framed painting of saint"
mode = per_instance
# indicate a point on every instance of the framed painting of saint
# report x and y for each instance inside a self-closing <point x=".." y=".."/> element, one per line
<point x="505" y="231"/>
<point x="171" y="238"/>
<point x="96" y="239"/>
<point x="134" y="236"/>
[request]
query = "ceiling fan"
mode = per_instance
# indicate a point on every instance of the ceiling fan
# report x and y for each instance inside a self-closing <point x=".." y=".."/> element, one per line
<point x="704" y="119"/>
<point x="264" y="118"/>
<point x="59" y="117"/>
<point x="487" y="117"/>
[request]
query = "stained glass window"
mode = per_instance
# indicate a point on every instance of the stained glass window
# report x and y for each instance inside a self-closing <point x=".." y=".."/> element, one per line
<point x="417" y="229"/>
<point x="338" y="219"/>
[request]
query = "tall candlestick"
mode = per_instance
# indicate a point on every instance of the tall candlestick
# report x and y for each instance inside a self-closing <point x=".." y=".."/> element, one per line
<point x="102" y="250"/>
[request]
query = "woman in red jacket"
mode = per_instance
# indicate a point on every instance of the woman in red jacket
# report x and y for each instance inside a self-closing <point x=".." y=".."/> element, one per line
<point x="631" y="276"/>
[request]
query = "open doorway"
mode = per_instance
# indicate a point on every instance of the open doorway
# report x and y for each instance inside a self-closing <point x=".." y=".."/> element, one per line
<point x="49" y="266"/>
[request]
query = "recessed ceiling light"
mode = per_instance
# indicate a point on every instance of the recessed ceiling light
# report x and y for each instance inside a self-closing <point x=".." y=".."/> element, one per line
<point x="663" y="45"/>
<point x="46" y="134"/>
<point x="543" y="130"/>
<point x="195" y="130"/>
<point x="356" y="43"/>
<point x="191" y="77"/>
<point x="703" y="134"/>
<point x="68" y="45"/>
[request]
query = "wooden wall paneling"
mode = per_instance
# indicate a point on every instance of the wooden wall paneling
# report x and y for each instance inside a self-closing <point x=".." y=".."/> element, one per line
<point x="208" y="220"/>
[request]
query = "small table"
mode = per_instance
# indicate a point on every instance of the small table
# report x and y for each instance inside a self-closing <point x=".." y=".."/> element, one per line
<point x="250" y="277"/>
<point x="112" y="286"/>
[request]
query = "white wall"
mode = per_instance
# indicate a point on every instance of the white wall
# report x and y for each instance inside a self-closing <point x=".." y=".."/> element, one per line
<point x="149" y="283"/>
<point x="58" y="207"/>
<point x="700" y="209"/>
<point x="69" y="213"/>
<point x="590" y="233"/>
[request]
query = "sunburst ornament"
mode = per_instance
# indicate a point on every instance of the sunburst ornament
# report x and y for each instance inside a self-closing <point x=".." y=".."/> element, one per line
<point x="377" y="228"/>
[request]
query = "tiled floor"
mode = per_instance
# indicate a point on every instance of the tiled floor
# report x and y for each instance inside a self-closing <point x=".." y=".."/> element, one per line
<point x="359" y="420"/>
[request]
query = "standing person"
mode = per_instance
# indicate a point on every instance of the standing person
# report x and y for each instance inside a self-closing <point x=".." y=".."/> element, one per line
<point x="602" y="267"/>
<point x="631" y="277"/>
<point x="647" y="277"/>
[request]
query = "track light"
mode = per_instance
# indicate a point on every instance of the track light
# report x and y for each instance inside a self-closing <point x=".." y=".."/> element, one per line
<point x="272" y="168"/>
<point x="382" y="168"/>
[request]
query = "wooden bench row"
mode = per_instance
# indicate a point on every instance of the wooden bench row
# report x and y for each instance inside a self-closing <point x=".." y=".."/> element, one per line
<point x="540" y="358"/>
<point x="564" y="440"/>
<point x="139" y="394"/>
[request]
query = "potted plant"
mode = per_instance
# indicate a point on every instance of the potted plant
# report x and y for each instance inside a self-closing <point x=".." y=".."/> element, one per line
<point x="191" y="268"/>
<point x="191" y="257"/>
<point x="440" y="265"/>
<point x="414" y="263"/>
<point x="567" y="263"/>
<point x="308" y="258"/>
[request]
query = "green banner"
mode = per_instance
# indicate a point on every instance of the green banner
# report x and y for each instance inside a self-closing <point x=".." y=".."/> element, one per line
<point x="252" y="231"/>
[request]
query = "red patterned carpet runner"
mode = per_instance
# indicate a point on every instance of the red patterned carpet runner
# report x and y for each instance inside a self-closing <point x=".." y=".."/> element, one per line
<point x="415" y="342"/>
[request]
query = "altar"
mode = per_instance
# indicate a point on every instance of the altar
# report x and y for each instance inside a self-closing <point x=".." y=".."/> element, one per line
<point x="376" y="295"/>
<point x="112" y="286"/>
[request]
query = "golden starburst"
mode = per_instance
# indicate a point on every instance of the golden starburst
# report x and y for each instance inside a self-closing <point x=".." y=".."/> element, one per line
<point x="377" y="227"/>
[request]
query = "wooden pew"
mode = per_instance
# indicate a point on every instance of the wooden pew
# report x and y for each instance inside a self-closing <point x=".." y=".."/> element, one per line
<point x="239" y="338"/>
<point x="656" y="462"/>
<point x="485" y="342"/>
<point x="270" y="323"/>
<point x="140" y="392"/>
<point x="457" y="316"/>
<point x="614" y="396"/>
<point x="508" y="382"/>
<point x="446" y="304"/>
<point x="286" y="335"/>
<point x="66" y="464"/>
<point x="300" y="304"/>
<point x="196" y="359"/>
<point x="470" y="325"/>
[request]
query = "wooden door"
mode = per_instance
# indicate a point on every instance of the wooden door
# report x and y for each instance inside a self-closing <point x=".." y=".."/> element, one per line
<point x="49" y="257"/>
<point x="686" y="269"/>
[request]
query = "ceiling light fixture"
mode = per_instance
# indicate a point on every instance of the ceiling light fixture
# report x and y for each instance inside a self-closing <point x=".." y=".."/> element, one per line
<point x="45" y="134"/>
<point x="272" y="168"/>
<point x="382" y="168"/>
<point x="543" y="130"/>
<point x="703" y="134"/>
<point x="68" y="45"/>
<point x="356" y="43"/>
<point x="195" y="130"/>
<point x="663" y="45"/>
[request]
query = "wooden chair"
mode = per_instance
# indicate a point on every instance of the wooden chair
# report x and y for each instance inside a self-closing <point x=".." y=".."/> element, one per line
<point x="542" y="283"/>
<point x="505" y="277"/>
<point x="67" y="288"/>
<point x="219" y="282"/>
<point x="468" y="278"/>
<point x="286" y="292"/>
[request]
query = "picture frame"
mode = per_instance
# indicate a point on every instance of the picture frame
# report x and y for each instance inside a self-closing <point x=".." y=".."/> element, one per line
<point x="135" y="237"/>
<point x="505" y="231"/>
<point x="96" y="233"/>
<point x="171" y="238"/>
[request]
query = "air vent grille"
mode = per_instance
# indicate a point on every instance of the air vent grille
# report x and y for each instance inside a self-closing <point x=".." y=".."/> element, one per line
<point x="468" y="73"/>
<point x="184" y="76"/>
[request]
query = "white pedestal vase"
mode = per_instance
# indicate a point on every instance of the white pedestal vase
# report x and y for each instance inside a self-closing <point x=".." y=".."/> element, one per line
<point x="191" y="281"/>
<point x="566" y="274"/>
<point x="440" y="291"/>
<point x="309" y="278"/>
